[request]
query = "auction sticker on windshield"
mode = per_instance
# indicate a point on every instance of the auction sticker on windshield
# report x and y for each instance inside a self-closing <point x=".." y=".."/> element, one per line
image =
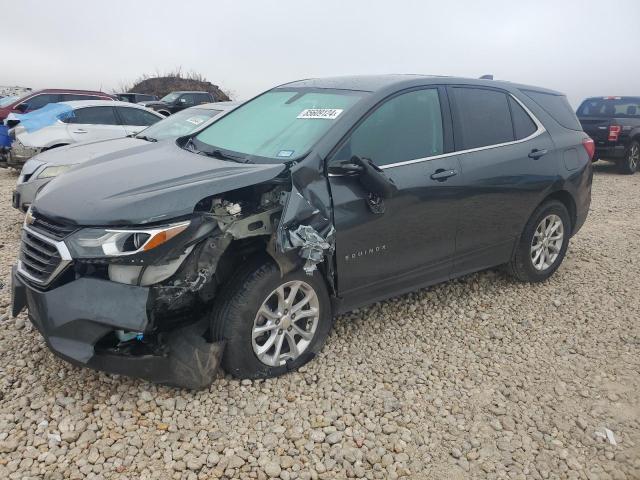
<point x="195" y="120"/>
<point x="324" y="113"/>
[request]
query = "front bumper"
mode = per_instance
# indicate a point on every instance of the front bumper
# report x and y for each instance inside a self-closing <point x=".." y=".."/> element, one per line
<point x="76" y="316"/>
<point x="25" y="193"/>
<point x="20" y="153"/>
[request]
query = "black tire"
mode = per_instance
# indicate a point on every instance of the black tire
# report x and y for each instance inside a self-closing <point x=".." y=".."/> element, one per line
<point x="631" y="161"/>
<point x="235" y="310"/>
<point x="521" y="265"/>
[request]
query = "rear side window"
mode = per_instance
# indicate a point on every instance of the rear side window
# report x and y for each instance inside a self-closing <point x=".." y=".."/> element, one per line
<point x="95" y="116"/>
<point x="406" y="127"/>
<point x="523" y="125"/>
<point x="610" y="107"/>
<point x="137" y="117"/>
<point x="482" y="118"/>
<point x="558" y="107"/>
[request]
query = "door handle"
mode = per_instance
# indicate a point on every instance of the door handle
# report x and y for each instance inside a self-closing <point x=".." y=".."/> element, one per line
<point x="536" y="154"/>
<point x="441" y="175"/>
<point x="80" y="130"/>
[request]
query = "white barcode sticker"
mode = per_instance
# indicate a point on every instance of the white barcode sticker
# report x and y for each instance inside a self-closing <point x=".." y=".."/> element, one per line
<point x="324" y="113"/>
<point x="195" y="120"/>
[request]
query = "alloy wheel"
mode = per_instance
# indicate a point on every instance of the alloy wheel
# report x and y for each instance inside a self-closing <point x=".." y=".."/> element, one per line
<point x="547" y="242"/>
<point x="634" y="157"/>
<point x="286" y="323"/>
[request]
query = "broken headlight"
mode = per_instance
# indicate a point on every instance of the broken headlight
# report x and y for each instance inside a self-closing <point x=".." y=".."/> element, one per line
<point x="101" y="242"/>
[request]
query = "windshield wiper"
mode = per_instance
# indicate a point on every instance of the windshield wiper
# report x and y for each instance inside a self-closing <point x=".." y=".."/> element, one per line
<point x="224" y="156"/>
<point x="148" y="139"/>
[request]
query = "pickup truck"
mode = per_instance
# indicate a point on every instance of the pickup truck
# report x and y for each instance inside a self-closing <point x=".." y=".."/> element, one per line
<point x="614" y="125"/>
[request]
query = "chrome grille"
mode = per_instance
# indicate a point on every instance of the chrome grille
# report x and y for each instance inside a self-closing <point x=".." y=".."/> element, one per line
<point x="52" y="229"/>
<point x="41" y="258"/>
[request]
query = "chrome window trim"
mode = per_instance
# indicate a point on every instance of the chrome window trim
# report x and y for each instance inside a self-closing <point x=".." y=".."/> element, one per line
<point x="539" y="131"/>
<point x="62" y="250"/>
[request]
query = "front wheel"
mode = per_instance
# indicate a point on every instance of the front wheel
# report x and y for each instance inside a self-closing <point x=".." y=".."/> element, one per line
<point x="271" y="324"/>
<point x="543" y="243"/>
<point x="630" y="163"/>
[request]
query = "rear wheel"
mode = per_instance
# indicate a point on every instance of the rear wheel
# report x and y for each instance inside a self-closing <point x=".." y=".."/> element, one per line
<point x="271" y="324"/>
<point x="543" y="243"/>
<point x="630" y="163"/>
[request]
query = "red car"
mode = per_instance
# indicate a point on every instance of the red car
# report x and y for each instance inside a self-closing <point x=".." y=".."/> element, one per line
<point x="39" y="98"/>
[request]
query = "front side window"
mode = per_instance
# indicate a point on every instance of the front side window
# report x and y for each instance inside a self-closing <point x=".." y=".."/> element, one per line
<point x="406" y="127"/>
<point x="137" y="117"/>
<point x="94" y="116"/>
<point x="482" y="118"/>
<point x="281" y="124"/>
<point x="180" y="124"/>
<point x="188" y="99"/>
<point x="40" y="101"/>
<point x="170" y="98"/>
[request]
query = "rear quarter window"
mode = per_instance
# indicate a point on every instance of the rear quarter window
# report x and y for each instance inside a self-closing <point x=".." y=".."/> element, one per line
<point x="557" y="106"/>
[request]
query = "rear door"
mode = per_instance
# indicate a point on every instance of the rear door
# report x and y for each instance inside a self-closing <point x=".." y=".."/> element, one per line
<point x="411" y="239"/>
<point x="508" y="160"/>
<point x="94" y="123"/>
<point x="134" y="120"/>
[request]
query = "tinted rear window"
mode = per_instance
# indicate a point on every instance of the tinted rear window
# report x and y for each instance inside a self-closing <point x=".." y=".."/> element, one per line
<point x="558" y="107"/>
<point x="482" y="117"/>
<point x="610" y="107"/>
<point x="522" y="122"/>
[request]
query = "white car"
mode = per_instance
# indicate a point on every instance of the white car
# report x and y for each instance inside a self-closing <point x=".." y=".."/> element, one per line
<point x="41" y="169"/>
<point x="82" y="121"/>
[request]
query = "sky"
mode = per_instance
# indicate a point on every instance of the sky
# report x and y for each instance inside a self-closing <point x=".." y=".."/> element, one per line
<point x="582" y="48"/>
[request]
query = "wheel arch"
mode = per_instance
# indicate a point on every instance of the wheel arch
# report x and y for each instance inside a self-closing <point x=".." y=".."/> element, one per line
<point x="567" y="200"/>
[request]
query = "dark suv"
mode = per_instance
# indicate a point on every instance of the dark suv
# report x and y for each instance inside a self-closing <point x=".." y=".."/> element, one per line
<point x="176" y="101"/>
<point x="242" y="241"/>
<point x="39" y="98"/>
<point x="614" y="125"/>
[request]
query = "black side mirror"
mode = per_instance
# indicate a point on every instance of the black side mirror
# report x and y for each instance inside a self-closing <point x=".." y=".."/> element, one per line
<point x="369" y="174"/>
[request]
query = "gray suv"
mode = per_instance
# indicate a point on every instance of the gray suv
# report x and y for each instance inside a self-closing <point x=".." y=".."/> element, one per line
<point x="238" y="244"/>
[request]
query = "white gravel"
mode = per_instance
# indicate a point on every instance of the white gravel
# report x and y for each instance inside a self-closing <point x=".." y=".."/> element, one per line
<point x="476" y="378"/>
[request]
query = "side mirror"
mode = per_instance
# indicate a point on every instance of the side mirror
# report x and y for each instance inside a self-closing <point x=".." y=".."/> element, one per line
<point x="369" y="174"/>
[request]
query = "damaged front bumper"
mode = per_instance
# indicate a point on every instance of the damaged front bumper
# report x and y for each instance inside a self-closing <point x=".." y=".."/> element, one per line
<point x="78" y="331"/>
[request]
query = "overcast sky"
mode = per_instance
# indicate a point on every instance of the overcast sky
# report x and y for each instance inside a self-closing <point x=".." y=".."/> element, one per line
<point x="581" y="48"/>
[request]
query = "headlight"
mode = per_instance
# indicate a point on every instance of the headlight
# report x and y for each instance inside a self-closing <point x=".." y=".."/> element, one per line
<point x="99" y="242"/>
<point x="50" y="172"/>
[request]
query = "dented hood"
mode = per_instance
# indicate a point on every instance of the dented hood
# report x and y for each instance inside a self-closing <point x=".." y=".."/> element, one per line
<point x="151" y="183"/>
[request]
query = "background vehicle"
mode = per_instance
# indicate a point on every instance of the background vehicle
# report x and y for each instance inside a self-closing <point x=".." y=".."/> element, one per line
<point x="135" y="97"/>
<point x="89" y="120"/>
<point x="39" y="98"/>
<point x="244" y="239"/>
<point x="614" y="125"/>
<point x="44" y="167"/>
<point x="176" y="101"/>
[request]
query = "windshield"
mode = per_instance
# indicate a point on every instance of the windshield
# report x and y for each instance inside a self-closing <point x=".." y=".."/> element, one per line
<point x="170" y="98"/>
<point x="179" y="124"/>
<point x="7" y="100"/>
<point x="281" y="124"/>
<point x="610" y="107"/>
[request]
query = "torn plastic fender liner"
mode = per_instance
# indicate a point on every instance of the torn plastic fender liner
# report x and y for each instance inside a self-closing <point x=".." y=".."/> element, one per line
<point x="313" y="246"/>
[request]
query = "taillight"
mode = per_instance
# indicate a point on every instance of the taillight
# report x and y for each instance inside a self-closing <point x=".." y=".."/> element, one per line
<point x="614" y="133"/>
<point x="589" y="146"/>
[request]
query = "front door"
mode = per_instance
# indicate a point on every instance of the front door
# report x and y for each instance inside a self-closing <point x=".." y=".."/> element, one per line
<point x="382" y="250"/>
<point x="89" y="124"/>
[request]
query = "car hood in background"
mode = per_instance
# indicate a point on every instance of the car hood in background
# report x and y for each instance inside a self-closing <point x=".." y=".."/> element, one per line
<point x="152" y="183"/>
<point x="83" y="152"/>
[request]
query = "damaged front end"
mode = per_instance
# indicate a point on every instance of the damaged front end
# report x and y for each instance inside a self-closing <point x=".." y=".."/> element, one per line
<point x="137" y="300"/>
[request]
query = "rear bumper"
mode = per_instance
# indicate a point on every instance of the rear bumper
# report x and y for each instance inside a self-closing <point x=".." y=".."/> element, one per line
<point x="75" y="317"/>
<point x="613" y="153"/>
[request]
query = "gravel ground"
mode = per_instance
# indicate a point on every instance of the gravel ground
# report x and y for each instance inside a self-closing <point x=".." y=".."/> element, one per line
<point x="476" y="378"/>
